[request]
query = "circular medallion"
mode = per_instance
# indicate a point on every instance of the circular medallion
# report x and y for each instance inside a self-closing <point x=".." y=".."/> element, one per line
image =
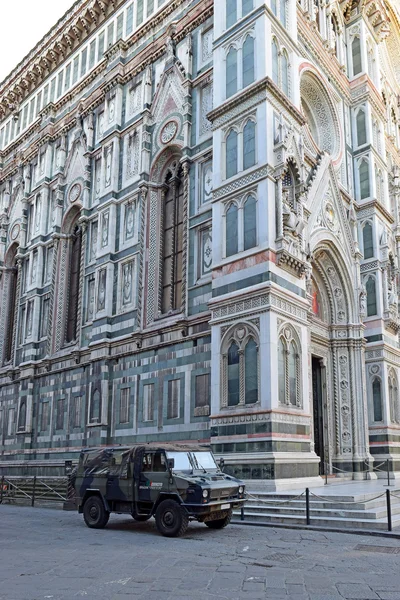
<point x="168" y="132"/>
<point x="15" y="231"/>
<point x="75" y="192"/>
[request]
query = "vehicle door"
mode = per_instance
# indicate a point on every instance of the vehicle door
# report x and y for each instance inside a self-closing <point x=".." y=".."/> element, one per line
<point x="117" y="479"/>
<point x="153" y="479"/>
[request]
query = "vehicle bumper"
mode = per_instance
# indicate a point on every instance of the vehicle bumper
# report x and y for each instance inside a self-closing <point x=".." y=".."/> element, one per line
<point x="197" y="510"/>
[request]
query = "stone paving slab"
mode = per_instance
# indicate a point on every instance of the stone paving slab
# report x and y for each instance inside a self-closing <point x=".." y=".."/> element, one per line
<point x="51" y="555"/>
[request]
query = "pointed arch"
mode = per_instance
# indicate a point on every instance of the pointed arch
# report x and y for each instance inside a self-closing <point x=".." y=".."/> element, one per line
<point x="289" y="366"/>
<point x="248" y="60"/>
<point x="377" y="399"/>
<point x="10" y="290"/>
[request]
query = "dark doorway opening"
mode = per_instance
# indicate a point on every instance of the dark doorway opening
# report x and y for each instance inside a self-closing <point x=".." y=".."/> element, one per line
<point x="318" y="413"/>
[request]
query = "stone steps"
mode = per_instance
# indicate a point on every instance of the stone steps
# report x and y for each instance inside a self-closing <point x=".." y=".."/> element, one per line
<point x="366" y="511"/>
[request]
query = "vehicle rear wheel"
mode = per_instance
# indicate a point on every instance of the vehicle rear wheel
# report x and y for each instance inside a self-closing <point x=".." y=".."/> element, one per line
<point x="220" y="523"/>
<point x="94" y="513"/>
<point x="141" y="518"/>
<point x="171" y="519"/>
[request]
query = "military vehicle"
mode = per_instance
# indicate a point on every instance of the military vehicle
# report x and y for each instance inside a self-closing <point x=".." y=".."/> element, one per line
<point x="171" y="482"/>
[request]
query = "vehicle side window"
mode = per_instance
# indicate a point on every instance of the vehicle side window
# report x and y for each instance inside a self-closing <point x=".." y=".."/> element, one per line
<point x="154" y="462"/>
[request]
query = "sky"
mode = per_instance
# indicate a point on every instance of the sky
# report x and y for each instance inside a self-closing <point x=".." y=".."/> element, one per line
<point x="23" y="23"/>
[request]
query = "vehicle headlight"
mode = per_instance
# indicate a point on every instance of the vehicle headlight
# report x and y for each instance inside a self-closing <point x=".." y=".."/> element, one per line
<point x="241" y="489"/>
<point x="205" y="493"/>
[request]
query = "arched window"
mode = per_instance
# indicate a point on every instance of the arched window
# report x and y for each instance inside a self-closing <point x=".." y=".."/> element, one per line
<point x="248" y="61"/>
<point x="251" y="372"/>
<point x="371" y="297"/>
<point x="231" y="72"/>
<point x="364" y="179"/>
<point x="11" y="291"/>
<point x="250" y="223"/>
<point x="368" y="241"/>
<point x="274" y="7"/>
<point x="377" y="399"/>
<point x="73" y="285"/>
<point x="240" y="363"/>
<point x="22" y="416"/>
<point x="275" y="62"/>
<point x="231" y="13"/>
<point x="95" y="407"/>
<point x="231" y="154"/>
<point x="289" y="369"/>
<point x="232" y="230"/>
<point x="285" y="73"/>
<point x="356" y="54"/>
<point x="172" y="244"/>
<point x="249" y="145"/>
<point x="281" y="371"/>
<point x="233" y="375"/>
<point x="361" y="128"/>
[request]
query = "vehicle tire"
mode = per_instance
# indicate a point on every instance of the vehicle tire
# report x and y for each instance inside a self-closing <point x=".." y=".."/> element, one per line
<point x="220" y="523"/>
<point x="141" y="518"/>
<point x="94" y="513"/>
<point x="171" y="519"/>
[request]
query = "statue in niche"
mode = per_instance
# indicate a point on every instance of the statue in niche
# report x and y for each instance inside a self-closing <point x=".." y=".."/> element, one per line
<point x="129" y="222"/>
<point x="101" y="302"/>
<point x="127" y="283"/>
<point x="363" y="301"/>
<point x="104" y="231"/>
<point x="111" y="110"/>
<point x="38" y="213"/>
<point x="170" y="47"/>
<point x="108" y="165"/>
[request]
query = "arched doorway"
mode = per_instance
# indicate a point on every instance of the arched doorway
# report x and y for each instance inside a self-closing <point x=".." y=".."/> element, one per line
<point x="337" y="365"/>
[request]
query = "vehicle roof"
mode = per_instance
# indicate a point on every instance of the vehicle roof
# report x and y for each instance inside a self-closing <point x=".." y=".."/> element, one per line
<point x="168" y="446"/>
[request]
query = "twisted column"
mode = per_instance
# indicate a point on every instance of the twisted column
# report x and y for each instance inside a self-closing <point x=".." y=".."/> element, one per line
<point x="186" y="184"/>
<point x="16" y="313"/>
<point x="52" y="293"/>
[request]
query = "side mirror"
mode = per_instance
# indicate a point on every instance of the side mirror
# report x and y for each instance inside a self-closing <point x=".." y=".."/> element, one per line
<point x="221" y="464"/>
<point x="170" y="464"/>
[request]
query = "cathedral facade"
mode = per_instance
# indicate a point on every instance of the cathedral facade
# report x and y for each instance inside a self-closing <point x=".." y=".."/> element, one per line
<point x="200" y="235"/>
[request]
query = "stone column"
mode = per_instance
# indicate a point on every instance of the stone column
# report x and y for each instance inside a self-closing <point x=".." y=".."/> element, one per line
<point x="186" y="174"/>
<point x="279" y="210"/>
<point x="52" y="294"/>
<point x="83" y="223"/>
<point x="140" y="278"/>
<point x="16" y="313"/>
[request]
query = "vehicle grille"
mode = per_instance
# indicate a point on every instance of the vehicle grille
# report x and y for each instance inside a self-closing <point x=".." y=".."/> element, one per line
<point x="224" y="494"/>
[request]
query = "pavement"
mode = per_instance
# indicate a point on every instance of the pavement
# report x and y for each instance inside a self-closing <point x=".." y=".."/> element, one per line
<point x="50" y="554"/>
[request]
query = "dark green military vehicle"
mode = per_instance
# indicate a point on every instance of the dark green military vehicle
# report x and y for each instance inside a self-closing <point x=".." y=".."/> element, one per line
<point x="171" y="482"/>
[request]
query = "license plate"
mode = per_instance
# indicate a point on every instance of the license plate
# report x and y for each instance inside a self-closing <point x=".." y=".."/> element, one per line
<point x="225" y="506"/>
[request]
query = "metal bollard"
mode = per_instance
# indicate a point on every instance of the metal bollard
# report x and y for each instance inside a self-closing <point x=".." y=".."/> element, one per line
<point x="326" y="473"/>
<point x="388" y="471"/>
<point x="307" y="506"/>
<point x="389" y="510"/>
<point x="33" y="491"/>
<point x="242" y="513"/>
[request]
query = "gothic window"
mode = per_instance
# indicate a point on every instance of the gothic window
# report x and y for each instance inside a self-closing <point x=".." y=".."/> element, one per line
<point x="231" y="72"/>
<point x="12" y="274"/>
<point x="22" y="416"/>
<point x="95" y="408"/>
<point x="232" y="230"/>
<point x="364" y="179"/>
<point x="240" y="367"/>
<point x="233" y="375"/>
<point x="371" y="297"/>
<point x="279" y="8"/>
<point x="172" y="244"/>
<point x="231" y="13"/>
<point x="368" y="241"/>
<point x="275" y="62"/>
<point x="148" y="402"/>
<point x="202" y="395"/>
<point x="289" y="369"/>
<point x="45" y="416"/>
<point x="231" y="154"/>
<point x="173" y="399"/>
<point x="250" y="222"/>
<point x="356" y="54"/>
<point x="11" y="422"/>
<point x="251" y="372"/>
<point x="377" y="399"/>
<point x="247" y="6"/>
<point x="124" y="405"/>
<point x="285" y="73"/>
<point x="393" y="398"/>
<point x="73" y="285"/>
<point x="248" y="61"/>
<point x="361" y="128"/>
<point x="60" y="414"/>
<point x="249" y="145"/>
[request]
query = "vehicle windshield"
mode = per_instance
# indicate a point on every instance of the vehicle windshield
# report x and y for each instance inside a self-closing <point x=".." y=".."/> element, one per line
<point x="192" y="461"/>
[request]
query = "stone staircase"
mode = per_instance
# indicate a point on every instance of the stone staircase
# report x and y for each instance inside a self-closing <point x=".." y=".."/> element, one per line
<point x="364" y="511"/>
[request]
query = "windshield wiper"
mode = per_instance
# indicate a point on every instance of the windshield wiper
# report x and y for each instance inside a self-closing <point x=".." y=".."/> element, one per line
<point x="199" y="466"/>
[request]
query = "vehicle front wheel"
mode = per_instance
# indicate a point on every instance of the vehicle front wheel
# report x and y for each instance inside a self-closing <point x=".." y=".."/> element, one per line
<point x="171" y="519"/>
<point x="94" y="513"/>
<point x="141" y="518"/>
<point x="220" y="523"/>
